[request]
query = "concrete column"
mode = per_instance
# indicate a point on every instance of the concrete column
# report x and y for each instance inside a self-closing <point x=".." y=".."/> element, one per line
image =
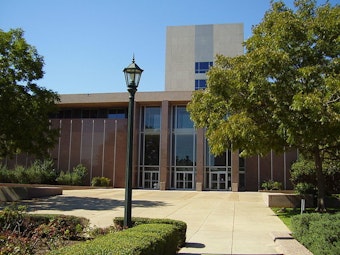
<point x="235" y="170"/>
<point x="200" y="160"/>
<point x="164" y="147"/>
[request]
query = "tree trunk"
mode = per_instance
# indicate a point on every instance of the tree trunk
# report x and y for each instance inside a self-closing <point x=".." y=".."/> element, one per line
<point x="321" y="207"/>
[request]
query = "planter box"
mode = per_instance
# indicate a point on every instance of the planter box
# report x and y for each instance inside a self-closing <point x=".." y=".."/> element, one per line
<point x="13" y="193"/>
<point x="286" y="200"/>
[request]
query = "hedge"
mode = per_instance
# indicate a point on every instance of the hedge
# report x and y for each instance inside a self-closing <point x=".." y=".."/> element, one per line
<point x="147" y="239"/>
<point x="180" y="226"/>
<point x="319" y="233"/>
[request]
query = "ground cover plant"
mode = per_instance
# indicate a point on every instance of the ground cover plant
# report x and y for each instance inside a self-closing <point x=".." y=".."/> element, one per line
<point x="23" y="233"/>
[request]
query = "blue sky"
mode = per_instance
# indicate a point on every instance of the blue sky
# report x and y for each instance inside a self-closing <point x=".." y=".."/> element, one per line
<point x="87" y="43"/>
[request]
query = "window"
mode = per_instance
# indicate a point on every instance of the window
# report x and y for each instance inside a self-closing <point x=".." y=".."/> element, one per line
<point x="151" y="118"/>
<point x="91" y="113"/>
<point x="182" y="118"/>
<point x="202" y="67"/>
<point x="200" y="84"/>
<point x="149" y="147"/>
<point x="183" y="150"/>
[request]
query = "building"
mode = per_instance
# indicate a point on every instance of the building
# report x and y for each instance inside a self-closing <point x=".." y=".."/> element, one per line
<point x="169" y="153"/>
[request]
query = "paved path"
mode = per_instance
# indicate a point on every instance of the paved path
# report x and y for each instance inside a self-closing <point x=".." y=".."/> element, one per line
<point x="218" y="222"/>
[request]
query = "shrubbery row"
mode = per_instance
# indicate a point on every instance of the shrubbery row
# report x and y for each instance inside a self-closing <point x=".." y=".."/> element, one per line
<point x="145" y="239"/>
<point x="320" y="233"/>
<point x="180" y="226"/>
<point x="43" y="172"/>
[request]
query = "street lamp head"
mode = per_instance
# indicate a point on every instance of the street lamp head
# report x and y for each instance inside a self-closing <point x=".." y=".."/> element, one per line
<point x="132" y="75"/>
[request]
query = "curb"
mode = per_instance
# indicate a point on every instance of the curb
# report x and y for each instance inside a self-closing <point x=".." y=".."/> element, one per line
<point x="288" y="245"/>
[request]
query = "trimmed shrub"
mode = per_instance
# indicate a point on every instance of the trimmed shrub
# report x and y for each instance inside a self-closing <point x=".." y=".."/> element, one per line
<point x="320" y="233"/>
<point x="149" y="239"/>
<point x="100" y="182"/>
<point x="181" y="227"/>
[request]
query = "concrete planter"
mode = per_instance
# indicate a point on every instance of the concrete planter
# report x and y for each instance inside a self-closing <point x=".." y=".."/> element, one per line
<point x="16" y="193"/>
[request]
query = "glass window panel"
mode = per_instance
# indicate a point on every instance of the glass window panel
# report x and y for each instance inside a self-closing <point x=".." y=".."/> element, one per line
<point x="183" y="118"/>
<point x="241" y="162"/>
<point x="116" y="116"/>
<point x="200" y="84"/>
<point x="184" y="150"/>
<point x="151" y="155"/>
<point x="202" y="67"/>
<point x="152" y="118"/>
<point x="229" y="158"/>
<point x="220" y="160"/>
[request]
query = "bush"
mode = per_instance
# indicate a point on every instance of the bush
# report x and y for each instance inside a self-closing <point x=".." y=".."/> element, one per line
<point x="303" y="171"/>
<point x="271" y="185"/>
<point x="6" y="175"/>
<point x="22" y="233"/>
<point x="181" y="227"/>
<point x="320" y="233"/>
<point x="76" y="177"/>
<point x="100" y="182"/>
<point x="40" y="172"/>
<point x="150" y="239"/>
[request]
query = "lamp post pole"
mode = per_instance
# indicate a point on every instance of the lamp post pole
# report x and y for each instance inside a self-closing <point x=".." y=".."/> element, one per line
<point x="132" y="76"/>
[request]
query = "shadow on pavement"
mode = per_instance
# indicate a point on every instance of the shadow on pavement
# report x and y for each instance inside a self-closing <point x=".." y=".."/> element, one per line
<point x="69" y="203"/>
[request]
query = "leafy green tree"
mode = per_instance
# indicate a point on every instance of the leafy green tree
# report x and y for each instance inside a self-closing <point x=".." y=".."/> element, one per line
<point x="24" y="106"/>
<point x="303" y="176"/>
<point x="283" y="92"/>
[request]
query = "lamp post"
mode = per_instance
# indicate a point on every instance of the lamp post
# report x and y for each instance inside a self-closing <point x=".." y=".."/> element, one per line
<point x="132" y="76"/>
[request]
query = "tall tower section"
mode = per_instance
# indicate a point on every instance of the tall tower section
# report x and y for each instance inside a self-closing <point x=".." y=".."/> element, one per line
<point x="190" y="51"/>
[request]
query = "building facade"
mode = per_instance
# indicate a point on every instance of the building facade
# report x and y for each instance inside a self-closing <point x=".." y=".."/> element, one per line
<point x="168" y="151"/>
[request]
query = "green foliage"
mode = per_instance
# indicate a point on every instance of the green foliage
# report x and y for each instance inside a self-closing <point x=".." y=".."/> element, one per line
<point x="283" y="92"/>
<point x="304" y="178"/>
<point x="24" y="106"/>
<point x="76" y="177"/>
<point x="100" y="182"/>
<point x="320" y="233"/>
<point x="40" y="172"/>
<point x="180" y="226"/>
<point x="271" y="185"/>
<point x="150" y="239"/>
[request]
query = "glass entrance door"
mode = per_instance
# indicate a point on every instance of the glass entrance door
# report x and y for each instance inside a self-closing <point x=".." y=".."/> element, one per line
<point x="184" y="180"/>
<point x="151" y="179"/>
<point x="218" y="181"/>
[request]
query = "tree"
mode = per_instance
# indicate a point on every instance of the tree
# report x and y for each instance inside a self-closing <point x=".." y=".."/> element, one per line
<point x="283" y="92"/>
<point x="24" y="106"/>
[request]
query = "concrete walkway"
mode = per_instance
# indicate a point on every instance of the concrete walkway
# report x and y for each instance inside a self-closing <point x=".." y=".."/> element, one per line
<point x="218" y="222"/>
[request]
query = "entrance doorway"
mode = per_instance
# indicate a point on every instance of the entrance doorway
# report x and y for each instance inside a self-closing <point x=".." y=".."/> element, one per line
<point x="219" y="181"/>
<point x="151" y="180"/>
<point x="185" y="180"/>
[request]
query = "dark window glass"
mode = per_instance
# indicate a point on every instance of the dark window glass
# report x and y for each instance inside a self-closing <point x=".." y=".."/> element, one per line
<point x="184" y="150"/>
<point x="202" y="67"/>
<point x="152" y="118"/>
<point x="151" y="150"/>
<point x="200" y="84"/>
<point x="183" y="118"/>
